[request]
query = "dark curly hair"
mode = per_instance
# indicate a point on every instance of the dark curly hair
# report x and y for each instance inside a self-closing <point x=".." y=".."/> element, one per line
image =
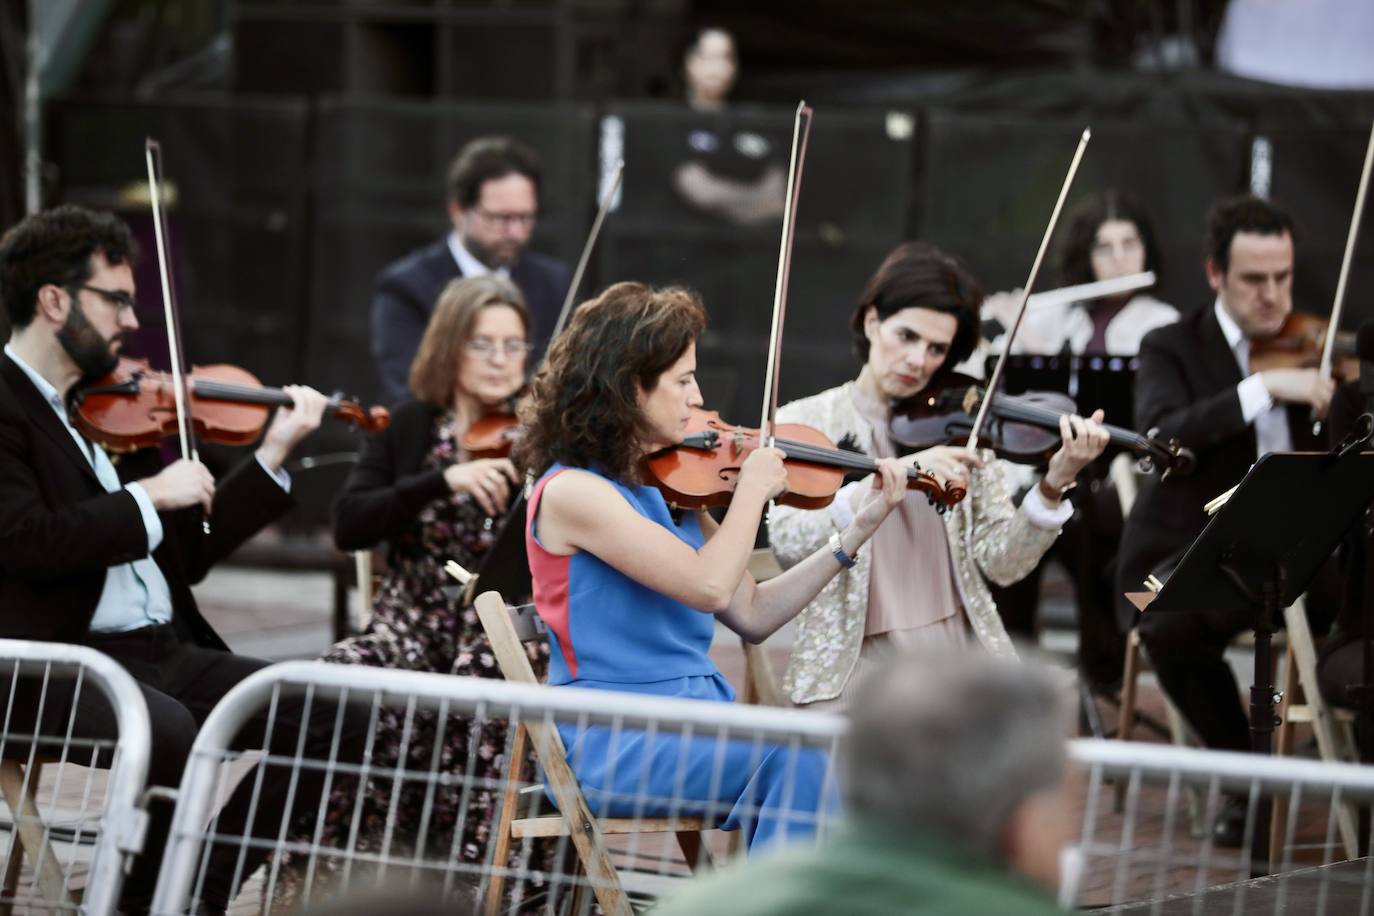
<point x="1075" y="259"/>
<point x="583" y="406"/>
<point x="920" y="275"/>
<point x="1245" y="213"/>
<point x="55" y="246"/>
<point x="486" y="159"/>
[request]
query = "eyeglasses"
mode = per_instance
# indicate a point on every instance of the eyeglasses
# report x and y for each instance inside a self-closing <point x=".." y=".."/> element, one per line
<point x="121" y="300"/>
<point x="481" y="346"/>
<point x="507" y="220"/>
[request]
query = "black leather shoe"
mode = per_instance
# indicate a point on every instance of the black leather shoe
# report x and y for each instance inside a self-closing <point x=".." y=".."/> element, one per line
<point x="1228" y="831"/>
<point x="208" y="909"/>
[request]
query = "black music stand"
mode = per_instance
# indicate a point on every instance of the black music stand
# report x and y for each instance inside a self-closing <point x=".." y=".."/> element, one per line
<point x="505" y="567"/>
<point x="1261" y="550"/>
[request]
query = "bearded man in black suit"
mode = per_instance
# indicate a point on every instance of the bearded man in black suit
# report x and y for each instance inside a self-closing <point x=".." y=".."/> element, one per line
<point x="493" y="202"/>
<point x="1194" y="384"/>
<point x="105" y="557"/>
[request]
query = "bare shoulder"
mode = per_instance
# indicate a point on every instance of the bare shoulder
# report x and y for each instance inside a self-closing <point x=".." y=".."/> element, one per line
<point x="574" y="493"/>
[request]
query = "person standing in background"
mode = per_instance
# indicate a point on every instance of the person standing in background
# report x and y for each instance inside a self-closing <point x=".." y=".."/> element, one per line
<point x="493" y="204"/>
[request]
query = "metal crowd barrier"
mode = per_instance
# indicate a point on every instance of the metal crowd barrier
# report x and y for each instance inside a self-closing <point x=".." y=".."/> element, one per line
<point x="637" y="851"/>
<point x="635" y="841"/>
<point x="1150" y="858"/>
<point x="72" y="814"/>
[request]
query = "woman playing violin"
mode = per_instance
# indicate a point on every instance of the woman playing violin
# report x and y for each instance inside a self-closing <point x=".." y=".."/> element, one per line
<point x="631" y="591"/>
<point x="415" y="490"/>
<point x="921" y="580"/>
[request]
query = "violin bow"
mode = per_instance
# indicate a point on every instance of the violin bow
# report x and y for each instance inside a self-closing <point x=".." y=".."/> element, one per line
<point x="152" y="154"/>
<point x="995" y="379"/>
<point x="612" y="189"/>
<point x="517" y="507"/>
<point x="801" y="130"/>
<point x="1328" y="346"/>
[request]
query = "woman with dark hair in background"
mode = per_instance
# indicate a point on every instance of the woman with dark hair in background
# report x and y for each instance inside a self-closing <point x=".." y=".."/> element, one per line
<point x="631" y="590"/>
<point x="417" y="491"/>
<point x="921" y="584"/>
<point x="1105" y="236"/>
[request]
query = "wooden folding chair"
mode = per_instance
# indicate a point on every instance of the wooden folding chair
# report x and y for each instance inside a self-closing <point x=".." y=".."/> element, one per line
<point x="508" y="629"/>
<point x="19" y="785"/>
<point x="1333" y="728"/>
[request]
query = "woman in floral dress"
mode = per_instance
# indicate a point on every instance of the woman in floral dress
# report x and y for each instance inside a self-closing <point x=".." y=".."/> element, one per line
<point x="415" y="489"/>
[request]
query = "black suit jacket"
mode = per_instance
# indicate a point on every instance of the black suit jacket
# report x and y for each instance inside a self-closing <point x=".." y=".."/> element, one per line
<point x="60" y="530"/>
<point x="407" y="290"/>
<point x="1186" y="388"/>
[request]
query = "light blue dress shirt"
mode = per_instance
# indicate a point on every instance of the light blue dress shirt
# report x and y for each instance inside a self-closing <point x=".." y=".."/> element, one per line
<point x="135" y="594"/>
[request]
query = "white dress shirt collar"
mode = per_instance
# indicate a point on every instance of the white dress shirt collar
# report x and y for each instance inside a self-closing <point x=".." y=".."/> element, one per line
<point x="1232" y="332"/>
<point x="468" y="264"/>
<point x="44" y="386"/>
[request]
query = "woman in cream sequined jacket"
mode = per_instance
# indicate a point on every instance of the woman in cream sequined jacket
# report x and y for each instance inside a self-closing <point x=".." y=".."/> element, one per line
<point x="987" y="535"/>
<point x="917" y="314"/>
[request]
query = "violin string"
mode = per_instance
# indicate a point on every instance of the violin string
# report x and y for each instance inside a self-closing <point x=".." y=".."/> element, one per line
<point x="805" y="451"/>
<point x="230" y="392"/>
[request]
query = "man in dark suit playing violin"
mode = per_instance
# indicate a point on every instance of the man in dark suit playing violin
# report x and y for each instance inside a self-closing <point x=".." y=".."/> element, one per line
<point x="1195" y="384"/>
<point x="493" y="202"/>
<point x="90" y="559"/>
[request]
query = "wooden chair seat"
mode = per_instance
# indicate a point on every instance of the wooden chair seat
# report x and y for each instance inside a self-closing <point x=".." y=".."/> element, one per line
<point x="557" y="825"/>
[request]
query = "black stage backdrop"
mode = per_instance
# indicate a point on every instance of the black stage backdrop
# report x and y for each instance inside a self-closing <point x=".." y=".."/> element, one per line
<point x="286" y="207"/>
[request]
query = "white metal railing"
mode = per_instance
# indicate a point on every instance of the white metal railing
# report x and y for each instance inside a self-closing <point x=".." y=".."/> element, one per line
<point x="90" y="794"/>
<point x="1144" y="855"/>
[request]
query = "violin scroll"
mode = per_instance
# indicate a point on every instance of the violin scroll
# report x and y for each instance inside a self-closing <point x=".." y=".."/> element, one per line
<point x="1171" y="457"/>
<point x="369" y="420"/>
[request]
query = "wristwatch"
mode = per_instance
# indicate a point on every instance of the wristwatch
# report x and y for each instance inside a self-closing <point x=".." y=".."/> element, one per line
<point x="846" y="560"/>
<point x="1051" y="492"/>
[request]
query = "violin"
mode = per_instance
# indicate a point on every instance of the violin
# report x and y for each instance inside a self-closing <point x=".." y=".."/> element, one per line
<point x="134" y="406"/>
<point x="1025" y="427"/>
<point x="491" y="436"/>
<point x="1299" y="345"/>
<point x="703" y="469"/>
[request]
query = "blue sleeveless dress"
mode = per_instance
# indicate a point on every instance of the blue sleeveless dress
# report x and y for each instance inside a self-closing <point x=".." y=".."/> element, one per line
<point x="609" y="632"/>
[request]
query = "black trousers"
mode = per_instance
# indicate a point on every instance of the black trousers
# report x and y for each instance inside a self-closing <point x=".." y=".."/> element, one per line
<point x="1187" y="651"/>
<point x="1340" y="670"/>
<point x="1086" y="546"/>
<point x="181" y="683"/>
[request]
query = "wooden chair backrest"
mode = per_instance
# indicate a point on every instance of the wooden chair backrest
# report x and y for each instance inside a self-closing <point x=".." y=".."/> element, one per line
<point x="503" y="626"/>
